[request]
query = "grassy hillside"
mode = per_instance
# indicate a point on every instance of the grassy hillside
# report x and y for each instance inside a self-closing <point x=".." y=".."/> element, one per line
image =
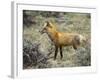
<point x="66" y="22"/>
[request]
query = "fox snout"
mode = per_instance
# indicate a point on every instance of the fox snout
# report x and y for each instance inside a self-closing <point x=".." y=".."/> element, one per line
<point x="42" y="31"/>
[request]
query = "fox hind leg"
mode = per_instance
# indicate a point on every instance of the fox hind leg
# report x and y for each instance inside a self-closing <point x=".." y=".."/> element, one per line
<point x="75" y="46"/>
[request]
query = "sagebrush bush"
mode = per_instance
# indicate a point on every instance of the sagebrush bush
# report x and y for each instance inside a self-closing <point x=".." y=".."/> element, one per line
<point x="32" y="56"/>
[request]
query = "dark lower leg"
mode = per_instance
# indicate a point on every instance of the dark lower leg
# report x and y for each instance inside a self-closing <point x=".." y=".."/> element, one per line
<point x="74" y="46"/>
<point x="61" y="52"/>
<point x="56" y="51"/>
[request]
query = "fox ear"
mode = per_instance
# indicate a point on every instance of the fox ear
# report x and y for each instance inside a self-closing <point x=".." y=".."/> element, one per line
<point x="48" y="24"/>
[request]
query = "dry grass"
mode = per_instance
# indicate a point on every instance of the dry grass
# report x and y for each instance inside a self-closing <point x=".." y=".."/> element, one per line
<point x="69" y="22"/>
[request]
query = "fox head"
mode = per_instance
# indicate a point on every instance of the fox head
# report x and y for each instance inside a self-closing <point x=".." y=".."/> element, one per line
<point x="47" y="27"/>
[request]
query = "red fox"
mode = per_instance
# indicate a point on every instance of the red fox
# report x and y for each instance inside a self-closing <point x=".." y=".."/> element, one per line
<point x="61" y="39"/>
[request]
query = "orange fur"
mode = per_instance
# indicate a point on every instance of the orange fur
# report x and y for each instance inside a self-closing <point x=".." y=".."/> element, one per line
<point x="61" y="39"/>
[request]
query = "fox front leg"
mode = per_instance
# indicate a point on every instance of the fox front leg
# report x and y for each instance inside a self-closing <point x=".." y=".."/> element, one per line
<point x="61" y="52"/>
<point x="56" y="52"/>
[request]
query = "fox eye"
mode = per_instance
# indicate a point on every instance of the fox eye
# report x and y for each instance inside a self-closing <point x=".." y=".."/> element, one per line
<point x="45" y="28"/>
